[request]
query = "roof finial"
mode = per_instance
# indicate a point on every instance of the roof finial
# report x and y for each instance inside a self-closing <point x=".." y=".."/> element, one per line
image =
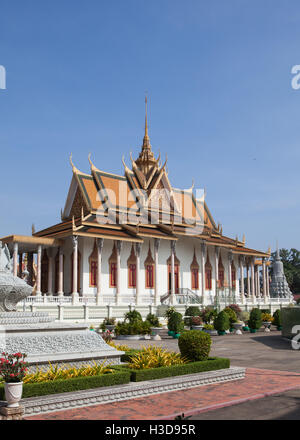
<point x="146" y="121"/>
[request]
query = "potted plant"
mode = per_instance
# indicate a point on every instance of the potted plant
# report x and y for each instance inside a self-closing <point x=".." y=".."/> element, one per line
<point x="196" y="322"/>
<point x="156" y="327"/>
<point x="176" y="324"/>
<point x="222" y="323"/>
<point x="267" y="320"/>
<point x="209" y="328"/>
<point x="13" y="369"/>
<point x="168" y="314"/>
<point x="277" y="319"/>
<point x="255" y="320"/>
<point x="232" y="317"/>
<point x="245" y="318"/>
<point x="108" y="324"/>
<point x="191" y="311"/>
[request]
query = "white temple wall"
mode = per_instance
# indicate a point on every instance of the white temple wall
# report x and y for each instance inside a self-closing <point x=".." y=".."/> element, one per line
<point x="184" y="251"/>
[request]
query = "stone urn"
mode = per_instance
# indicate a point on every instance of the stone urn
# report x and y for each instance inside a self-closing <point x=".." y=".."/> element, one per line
<point x="13" y="393"/>
<point x="110" y="327"/>
<point x="155" y="333"/>
<point x="238" y="327"/>
<point x="197" y="327"/>
<point x="267" y="325"/>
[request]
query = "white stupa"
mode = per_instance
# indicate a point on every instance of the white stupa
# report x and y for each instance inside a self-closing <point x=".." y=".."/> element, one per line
<point x="279" y="287"/>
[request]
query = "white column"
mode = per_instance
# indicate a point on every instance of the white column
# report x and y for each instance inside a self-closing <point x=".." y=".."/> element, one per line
<point x="217" y="254"/>
<point x="137" y="287"/>
<point x="99" y="298"/>
<point x="50" y="272"/>
<point x="39" y="272"/>
<point x="252" y="280"/>
<point x="268" y="281"/>
<point x="172" y="298"/>
<point x="203" y="255"/>
<point x="156" y="289"/>
<point x="60" y="272"/>
<point x="264" y="280"/>
<point x="15" y="259"/>
<point x="242" y="278"/>
<point x="256" y="280"/>
<point x="75" y="295"/>
<point x="229" y="274"/>
<point x="119" y="247"/>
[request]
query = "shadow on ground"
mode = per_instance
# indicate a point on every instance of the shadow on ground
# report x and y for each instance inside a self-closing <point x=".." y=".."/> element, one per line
<point x="276" y="342"/>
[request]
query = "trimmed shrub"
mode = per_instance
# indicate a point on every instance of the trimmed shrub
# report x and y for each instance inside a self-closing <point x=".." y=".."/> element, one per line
<point x="169" y="312"/>
<point x="236" y="309"/>
<point x="231" y="315"/>
<point x="277" y="318"/>
<point x="245" y="316"/>
<point x="153" y="320"/>
<point x="75" y="384"/>
<point x="194" y="345"/>
<point x="255" y="319"/>
<point x="175" y="322"/>
<point x="133" y="316"/>
<point x="208" y="314"/>
<point x="222" y="322"/>
<point x="192" y="311"/>
<point x="177" y="370"/>
<point x="134" y="328"/>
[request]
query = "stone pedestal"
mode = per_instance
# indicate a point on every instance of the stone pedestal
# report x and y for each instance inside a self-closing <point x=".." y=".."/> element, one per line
<point x="44" y="341"/>
<point x="11" y="413"/>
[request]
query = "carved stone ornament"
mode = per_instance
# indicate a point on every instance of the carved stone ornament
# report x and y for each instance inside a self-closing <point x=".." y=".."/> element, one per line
<point x="75" y="241"/>
<point x="12" y="288"/>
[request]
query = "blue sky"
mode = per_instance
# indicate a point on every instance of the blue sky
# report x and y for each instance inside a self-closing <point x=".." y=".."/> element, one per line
<point x="221" y="105"/>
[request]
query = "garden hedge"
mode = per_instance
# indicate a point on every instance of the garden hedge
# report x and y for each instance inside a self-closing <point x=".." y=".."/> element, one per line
<point x="126" y="356"/>
<point x="75" y="384"/>
<point x="175" y="370"/>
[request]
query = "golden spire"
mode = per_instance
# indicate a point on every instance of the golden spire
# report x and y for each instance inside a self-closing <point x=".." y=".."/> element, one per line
<point x="146" y="160"/>
<point x="146" y="140"/>
<point x="146" y="122"/>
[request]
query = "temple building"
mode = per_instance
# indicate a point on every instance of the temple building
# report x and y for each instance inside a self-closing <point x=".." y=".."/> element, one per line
<point x="134" y="238"/>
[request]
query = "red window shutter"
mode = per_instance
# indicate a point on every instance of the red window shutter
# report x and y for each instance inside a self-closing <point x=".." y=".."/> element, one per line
<point x="93" y="274"/>
<point x="113" y="274"/>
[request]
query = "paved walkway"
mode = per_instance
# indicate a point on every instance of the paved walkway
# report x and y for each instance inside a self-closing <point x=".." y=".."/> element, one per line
<point x="257" y="384"/>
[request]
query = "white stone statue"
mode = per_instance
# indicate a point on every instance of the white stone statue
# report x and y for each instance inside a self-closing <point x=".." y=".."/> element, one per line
<point x="12" y="289"/>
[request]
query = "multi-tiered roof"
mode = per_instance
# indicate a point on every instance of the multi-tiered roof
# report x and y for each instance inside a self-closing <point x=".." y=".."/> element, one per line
<point x="138" y="205"/>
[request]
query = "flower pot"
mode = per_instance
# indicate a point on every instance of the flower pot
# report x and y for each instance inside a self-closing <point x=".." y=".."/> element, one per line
<point x="221" y="332"/>
<point x="246" y="328"/>
<point x="13" y="393"/>
<point x="231" y="329"/>
<point x="130" y="337"/>
<point x="267" y="325"/>
<point x="110" y="327"/>
<point x="155" y="330"/>
<point x="171" y="333"/>
<point x="176" y="336"/>
<point x="279" y="327"/>
<point x="197" y="327"/>
<point x="252" y="330"/>
<point x="238" y="327"/>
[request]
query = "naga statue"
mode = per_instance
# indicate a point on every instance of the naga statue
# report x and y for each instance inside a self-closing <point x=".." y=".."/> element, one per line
<point x="12" y="289"/>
